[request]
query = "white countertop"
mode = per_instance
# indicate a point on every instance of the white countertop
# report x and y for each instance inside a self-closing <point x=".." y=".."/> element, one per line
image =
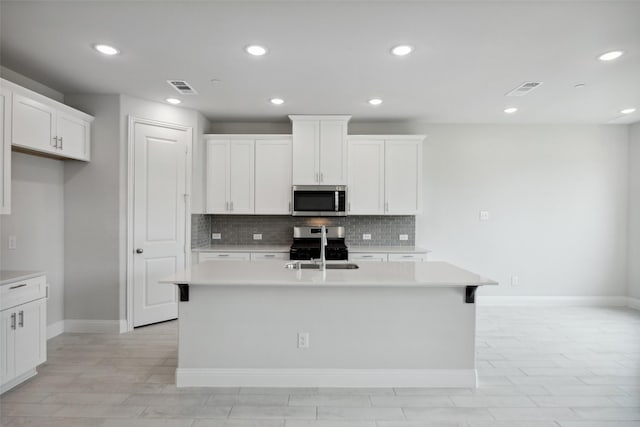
<point x="388" y="249"/>
<point x="273" y="273"/>
<point x="242" y="248"/>
<point x="11" y="276"/>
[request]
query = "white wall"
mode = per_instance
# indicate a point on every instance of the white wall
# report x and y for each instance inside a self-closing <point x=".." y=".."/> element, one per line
<point x="557" y="197"/>
<point x="91" y="196"/>
<point x="37" y="221"/>
<point x="633" y="261"/>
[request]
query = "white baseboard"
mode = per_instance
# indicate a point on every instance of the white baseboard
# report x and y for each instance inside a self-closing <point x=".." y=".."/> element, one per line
<point x="19" y="380"/>
<point x="552" y="301"/>
<point x="204" y="377"/>
<point x="55" y="329"/>
<point x="92" y="326"/>
<point x="634" y="303"/>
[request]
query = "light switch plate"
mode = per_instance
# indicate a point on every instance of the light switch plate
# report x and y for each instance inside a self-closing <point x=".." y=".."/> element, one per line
<point x="484" y="215"/>
<point x="216" y="236"/>
<point x="257" y="236"/>
<point x="403" y="237"/>
<point x="12" y="242"/>
<point x="366" y="236"/>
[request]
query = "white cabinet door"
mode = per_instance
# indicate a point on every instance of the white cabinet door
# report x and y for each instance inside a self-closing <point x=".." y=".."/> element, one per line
<point x="306" y="140"/>
<point x="403" y="177"/>
<point x="30" y="338"/>
<point x="366" y="177"/>
<point x="33" y="125"/>
<point x="241" y="170"/>
<point x="273" y="177"/>
<point x="73" y="136"/>
<point x="8" y="323"/>
<point x="217" y="188"/>
<point x="5" y="151"/>
<point x="333" y="152"/>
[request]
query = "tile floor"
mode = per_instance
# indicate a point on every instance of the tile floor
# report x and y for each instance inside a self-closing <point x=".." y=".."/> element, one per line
<point x="538" y="367"/>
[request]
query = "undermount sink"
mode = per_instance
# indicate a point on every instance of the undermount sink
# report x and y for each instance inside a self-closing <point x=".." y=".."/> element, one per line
<point x="313" y="266"/>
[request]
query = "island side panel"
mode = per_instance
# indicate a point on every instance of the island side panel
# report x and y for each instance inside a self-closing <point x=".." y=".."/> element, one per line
<point x="253" y="329"/>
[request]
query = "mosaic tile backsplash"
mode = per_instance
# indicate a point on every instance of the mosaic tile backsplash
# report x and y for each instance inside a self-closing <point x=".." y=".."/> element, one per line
<point x="278" y="229"/>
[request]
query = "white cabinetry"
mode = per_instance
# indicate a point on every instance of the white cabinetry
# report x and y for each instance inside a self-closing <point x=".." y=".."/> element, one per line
<point x="385" y="174"/>
<point x="224" y="256"/>
<point x="5" y="150"/>
<point x="388" y="256"/>
<point x="319" y="150"/>
<point x="23" y="343"/>
<point x="42" y="125"/>
<point x="273" y="176"/>
<point x="230" y="175"/>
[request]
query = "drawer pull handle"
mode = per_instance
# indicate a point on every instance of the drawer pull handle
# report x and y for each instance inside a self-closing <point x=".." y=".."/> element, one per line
<point x="269" y="255"/>
<point x="407" y="256"/>
<point x="18" y="286"/>
<point x="367" y="256"/>
<point x="21" y="318"/>
<point x="223" y="254"/>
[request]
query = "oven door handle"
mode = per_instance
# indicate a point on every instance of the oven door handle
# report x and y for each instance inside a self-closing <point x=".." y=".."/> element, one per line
<point x="337" y="201"/>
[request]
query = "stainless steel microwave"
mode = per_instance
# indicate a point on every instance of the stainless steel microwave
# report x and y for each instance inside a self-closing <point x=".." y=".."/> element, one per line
<point x="319" y="200"/>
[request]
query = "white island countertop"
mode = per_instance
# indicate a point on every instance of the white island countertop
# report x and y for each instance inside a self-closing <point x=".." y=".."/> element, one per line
<point x="274" y="273"/>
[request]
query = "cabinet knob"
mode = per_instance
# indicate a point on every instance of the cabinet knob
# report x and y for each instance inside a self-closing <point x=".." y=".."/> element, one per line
<point x="139" y="250"/>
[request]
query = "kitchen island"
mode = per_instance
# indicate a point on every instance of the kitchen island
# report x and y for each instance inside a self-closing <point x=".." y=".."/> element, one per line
<point x="388" y="324"/>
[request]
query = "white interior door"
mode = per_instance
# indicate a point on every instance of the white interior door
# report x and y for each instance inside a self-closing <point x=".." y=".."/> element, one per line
<point x="160" y="159"/>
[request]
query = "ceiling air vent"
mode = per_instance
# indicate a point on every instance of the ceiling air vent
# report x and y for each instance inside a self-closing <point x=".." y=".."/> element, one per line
<point x="524" y="89"/>
<point x="182" y="87"/>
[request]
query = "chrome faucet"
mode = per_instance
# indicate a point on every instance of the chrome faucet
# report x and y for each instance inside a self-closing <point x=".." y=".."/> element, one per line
<point x="323" y="248"/>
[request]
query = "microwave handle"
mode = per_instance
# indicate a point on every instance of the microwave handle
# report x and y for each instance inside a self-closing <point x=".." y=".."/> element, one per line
<point x="337" y="201"/>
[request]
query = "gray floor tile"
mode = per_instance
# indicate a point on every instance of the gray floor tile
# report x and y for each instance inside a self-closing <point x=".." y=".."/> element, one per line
<point x="360" y="414"/>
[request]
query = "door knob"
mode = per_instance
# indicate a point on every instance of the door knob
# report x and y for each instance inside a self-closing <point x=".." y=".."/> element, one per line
<point x="139" y="251"/>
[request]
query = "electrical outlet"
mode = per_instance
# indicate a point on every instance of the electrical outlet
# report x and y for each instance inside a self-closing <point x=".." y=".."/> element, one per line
<point x="12" y="242"/>
<point x="484" y="215"/>
<point x="216" y="236"/>
<point x="303" y="339"/>
<point x="257" y="236"/>
<point x="366" y="236"/>
<point x="515" y="281"/>
<point x="403" y="237"/>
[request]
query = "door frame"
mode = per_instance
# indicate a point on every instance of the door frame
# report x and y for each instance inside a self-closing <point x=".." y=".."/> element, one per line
<point x="132" y="122"/>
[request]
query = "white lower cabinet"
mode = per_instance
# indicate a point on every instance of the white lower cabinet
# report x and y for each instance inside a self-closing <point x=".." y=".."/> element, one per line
<point x="23" y="337"/>
<point x="411" y="257"/>
<point x="224" y="256"/>
<point x="367" y="256"/>
<point x="265" y="256"/>
<point x="384" y="256"/>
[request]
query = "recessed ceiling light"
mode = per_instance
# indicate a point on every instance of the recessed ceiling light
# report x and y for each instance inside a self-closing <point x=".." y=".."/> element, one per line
<point x="375" y="101"/>
<point x="105" y="49"/>
<point x="610" y="56"/>
<point x="510" y="110"/>
<point x="276" y="101"/>
<point x="402" y="50"/>
<point x="173" y="101"/>
<point x="256" y="50"/>
<point x="628" y="110"/>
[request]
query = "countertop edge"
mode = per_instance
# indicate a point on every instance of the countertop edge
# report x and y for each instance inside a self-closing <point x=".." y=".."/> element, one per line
<point x="19" y="276"/>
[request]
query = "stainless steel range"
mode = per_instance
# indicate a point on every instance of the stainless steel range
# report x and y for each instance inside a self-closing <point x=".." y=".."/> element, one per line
<point x="307" y="242"/>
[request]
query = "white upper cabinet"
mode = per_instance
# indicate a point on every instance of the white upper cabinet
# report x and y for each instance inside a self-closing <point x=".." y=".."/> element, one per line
<point x="5" y="151"/>
<point x="319" y="150"/>
<point x="366" y="177"/>
<point x="230" y="175"/>
<point x="273" y="176"/>
<point x="385" y="175"/>
<point x="42" y="125"/>
<point x="403" y="177"/>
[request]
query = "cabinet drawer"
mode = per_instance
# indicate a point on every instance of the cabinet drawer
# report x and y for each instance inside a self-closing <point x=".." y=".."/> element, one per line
<point x="408" y="257"/>
<point x="261" y="256"/>
<point x="22" y="292"/>
<point x="224" y="256"/>
<point x="367" y="256"/>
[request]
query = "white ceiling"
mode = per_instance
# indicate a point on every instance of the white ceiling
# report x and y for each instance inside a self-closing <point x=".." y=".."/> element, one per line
<point x="330" y="57"/>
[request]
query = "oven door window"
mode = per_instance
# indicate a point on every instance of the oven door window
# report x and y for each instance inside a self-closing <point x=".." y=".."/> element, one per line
<point x="314" y="201"/>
